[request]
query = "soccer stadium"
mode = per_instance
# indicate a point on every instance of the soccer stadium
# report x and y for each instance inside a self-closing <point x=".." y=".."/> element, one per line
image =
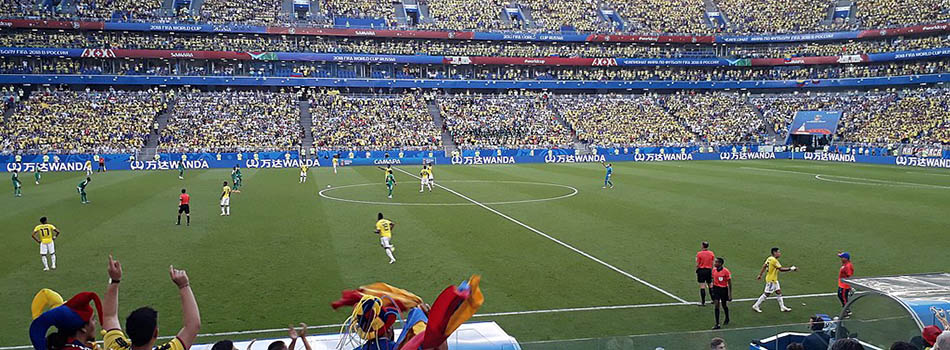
<point x="566" y="174"/>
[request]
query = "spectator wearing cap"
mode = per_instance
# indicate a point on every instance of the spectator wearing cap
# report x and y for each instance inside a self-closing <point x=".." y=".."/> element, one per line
<point x="75" y="327"/>
<point x="846" y="271"/>
<point x="818" y="339"/>
<point x="930" y="335"/>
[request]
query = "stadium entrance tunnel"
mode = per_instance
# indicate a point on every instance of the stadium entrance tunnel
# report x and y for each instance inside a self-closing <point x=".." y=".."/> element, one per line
<point x="446" y="193"/>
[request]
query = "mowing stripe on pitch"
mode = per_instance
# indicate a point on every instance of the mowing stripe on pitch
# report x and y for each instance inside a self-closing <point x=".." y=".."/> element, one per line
<point x="496" y="314"/>
<point x="555" y="240"/>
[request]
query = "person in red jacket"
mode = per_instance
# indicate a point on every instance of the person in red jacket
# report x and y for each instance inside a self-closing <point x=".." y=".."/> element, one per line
<point x="721" y="290"/>
<point x="846" y="271"/>
<point x="183" y="207"/>
<point x="704" y="264"/>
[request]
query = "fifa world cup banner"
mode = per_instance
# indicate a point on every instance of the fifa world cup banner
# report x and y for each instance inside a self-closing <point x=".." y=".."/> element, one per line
<point x="816" y="123"/>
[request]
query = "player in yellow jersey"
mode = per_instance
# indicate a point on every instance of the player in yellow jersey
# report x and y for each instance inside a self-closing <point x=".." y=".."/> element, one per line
<point x="771" y="269"/>
<point x="88" y="167"/>
<point x="384" y="228"/>
<point x="45" y="234"/>
<point x="226" y="200"/>
<point x="424" y="178"/>
<point x="303" y="172"/>
<point x="336" y="161"/>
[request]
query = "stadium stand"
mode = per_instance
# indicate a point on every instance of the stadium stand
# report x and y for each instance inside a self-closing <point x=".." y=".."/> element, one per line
<point x="663" y="16"/>
<point x="718" y="118"/>
<point x="502" y="121"/>
<point x="609" y="120"/>
<point x="466" y="15"/>
<point x="361" y="9"/>
<point x="753" y="16"/>
<point x="904" y="116"/>
<point x="372" y="122"/>
<point x="554" y="15"/>
<point x="257" y="12"/>
<point x="118" y="9"/>
<point x="890" y="13"/>
<point x="232" y="121"/>
<point x="276" y="43"/>
<point x="66" y="121"/>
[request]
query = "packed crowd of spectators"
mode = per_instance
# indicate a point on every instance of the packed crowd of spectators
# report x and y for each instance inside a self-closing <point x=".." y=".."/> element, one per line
<point x="890" y="13"/>
<point x="582" y="15"/>
<point x="230" y="121"/>
<point x="647" y="16"/>
<point x="112" y="121"/>
<point x="650" y="119"/>
<point x="283" y="43"/>
<point x="506" y="121"/>
<point x="467" y="15"/>
<point x="757" y="16"/>
<point x="118" y="9"/>
<point x="611" y="120"/>
<point x="663" y="16"/>
<point x="719" y="118"/>
<point x="908" y="119"/>
<point x="361" y="9"/>
<point x="372" y="122"/>
<point x="902" y="116"/>
<point x="257" y="12"/>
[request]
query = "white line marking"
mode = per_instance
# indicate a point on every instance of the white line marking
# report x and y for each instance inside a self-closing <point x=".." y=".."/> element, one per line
<point x="323" y="194"/>
<point x="925" y="173"/>
<point x="874" y="182"/>
<point x="786" y="326"/>
<point x="555" y="240"/>
<point x="496" y="314"/>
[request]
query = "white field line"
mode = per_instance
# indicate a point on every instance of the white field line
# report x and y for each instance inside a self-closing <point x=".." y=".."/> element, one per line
<point x="555" y="240"/>
<point x="323" y="193"/>
<point x="496" y="314"/>
<point x="853" y="180"/>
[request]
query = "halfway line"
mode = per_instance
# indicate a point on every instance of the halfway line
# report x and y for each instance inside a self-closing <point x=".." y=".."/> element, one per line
<point x="555" y="240"/>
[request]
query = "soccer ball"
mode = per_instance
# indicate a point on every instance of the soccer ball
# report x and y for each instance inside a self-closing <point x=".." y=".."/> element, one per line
<point x="328" y="185"/>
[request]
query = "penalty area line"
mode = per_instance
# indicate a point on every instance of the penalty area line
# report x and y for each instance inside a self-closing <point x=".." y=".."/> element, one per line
<point x="555" y="240"/>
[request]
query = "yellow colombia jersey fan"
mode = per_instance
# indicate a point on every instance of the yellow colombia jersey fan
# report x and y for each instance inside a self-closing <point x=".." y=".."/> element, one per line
<point x="384" y="227"/>
<point x="45" y="231"/>
<point x="773" y="268"/>
<point x="116" y="340"/>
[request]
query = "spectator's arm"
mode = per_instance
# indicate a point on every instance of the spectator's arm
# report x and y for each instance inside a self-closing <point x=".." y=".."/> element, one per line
<point x="191" y="319"/>
<point x="110" y="309"/>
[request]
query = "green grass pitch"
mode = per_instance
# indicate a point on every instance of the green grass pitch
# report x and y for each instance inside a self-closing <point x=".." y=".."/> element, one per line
<point x="285" y="252"/>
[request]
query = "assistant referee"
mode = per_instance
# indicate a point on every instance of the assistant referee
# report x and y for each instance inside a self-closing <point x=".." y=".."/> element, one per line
<point x="704" y="265"/>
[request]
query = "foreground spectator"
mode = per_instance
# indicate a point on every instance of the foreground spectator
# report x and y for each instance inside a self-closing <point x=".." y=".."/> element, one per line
<point x="847" y="344"/>
<point x="142" y="324"/>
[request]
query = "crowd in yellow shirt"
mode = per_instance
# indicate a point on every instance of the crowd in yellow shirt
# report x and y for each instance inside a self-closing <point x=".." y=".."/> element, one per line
<point x="82" y="121"/>
<point x="233" y="121"/>
<point x="376" y="122"/>
<point x="504" y="120"/>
